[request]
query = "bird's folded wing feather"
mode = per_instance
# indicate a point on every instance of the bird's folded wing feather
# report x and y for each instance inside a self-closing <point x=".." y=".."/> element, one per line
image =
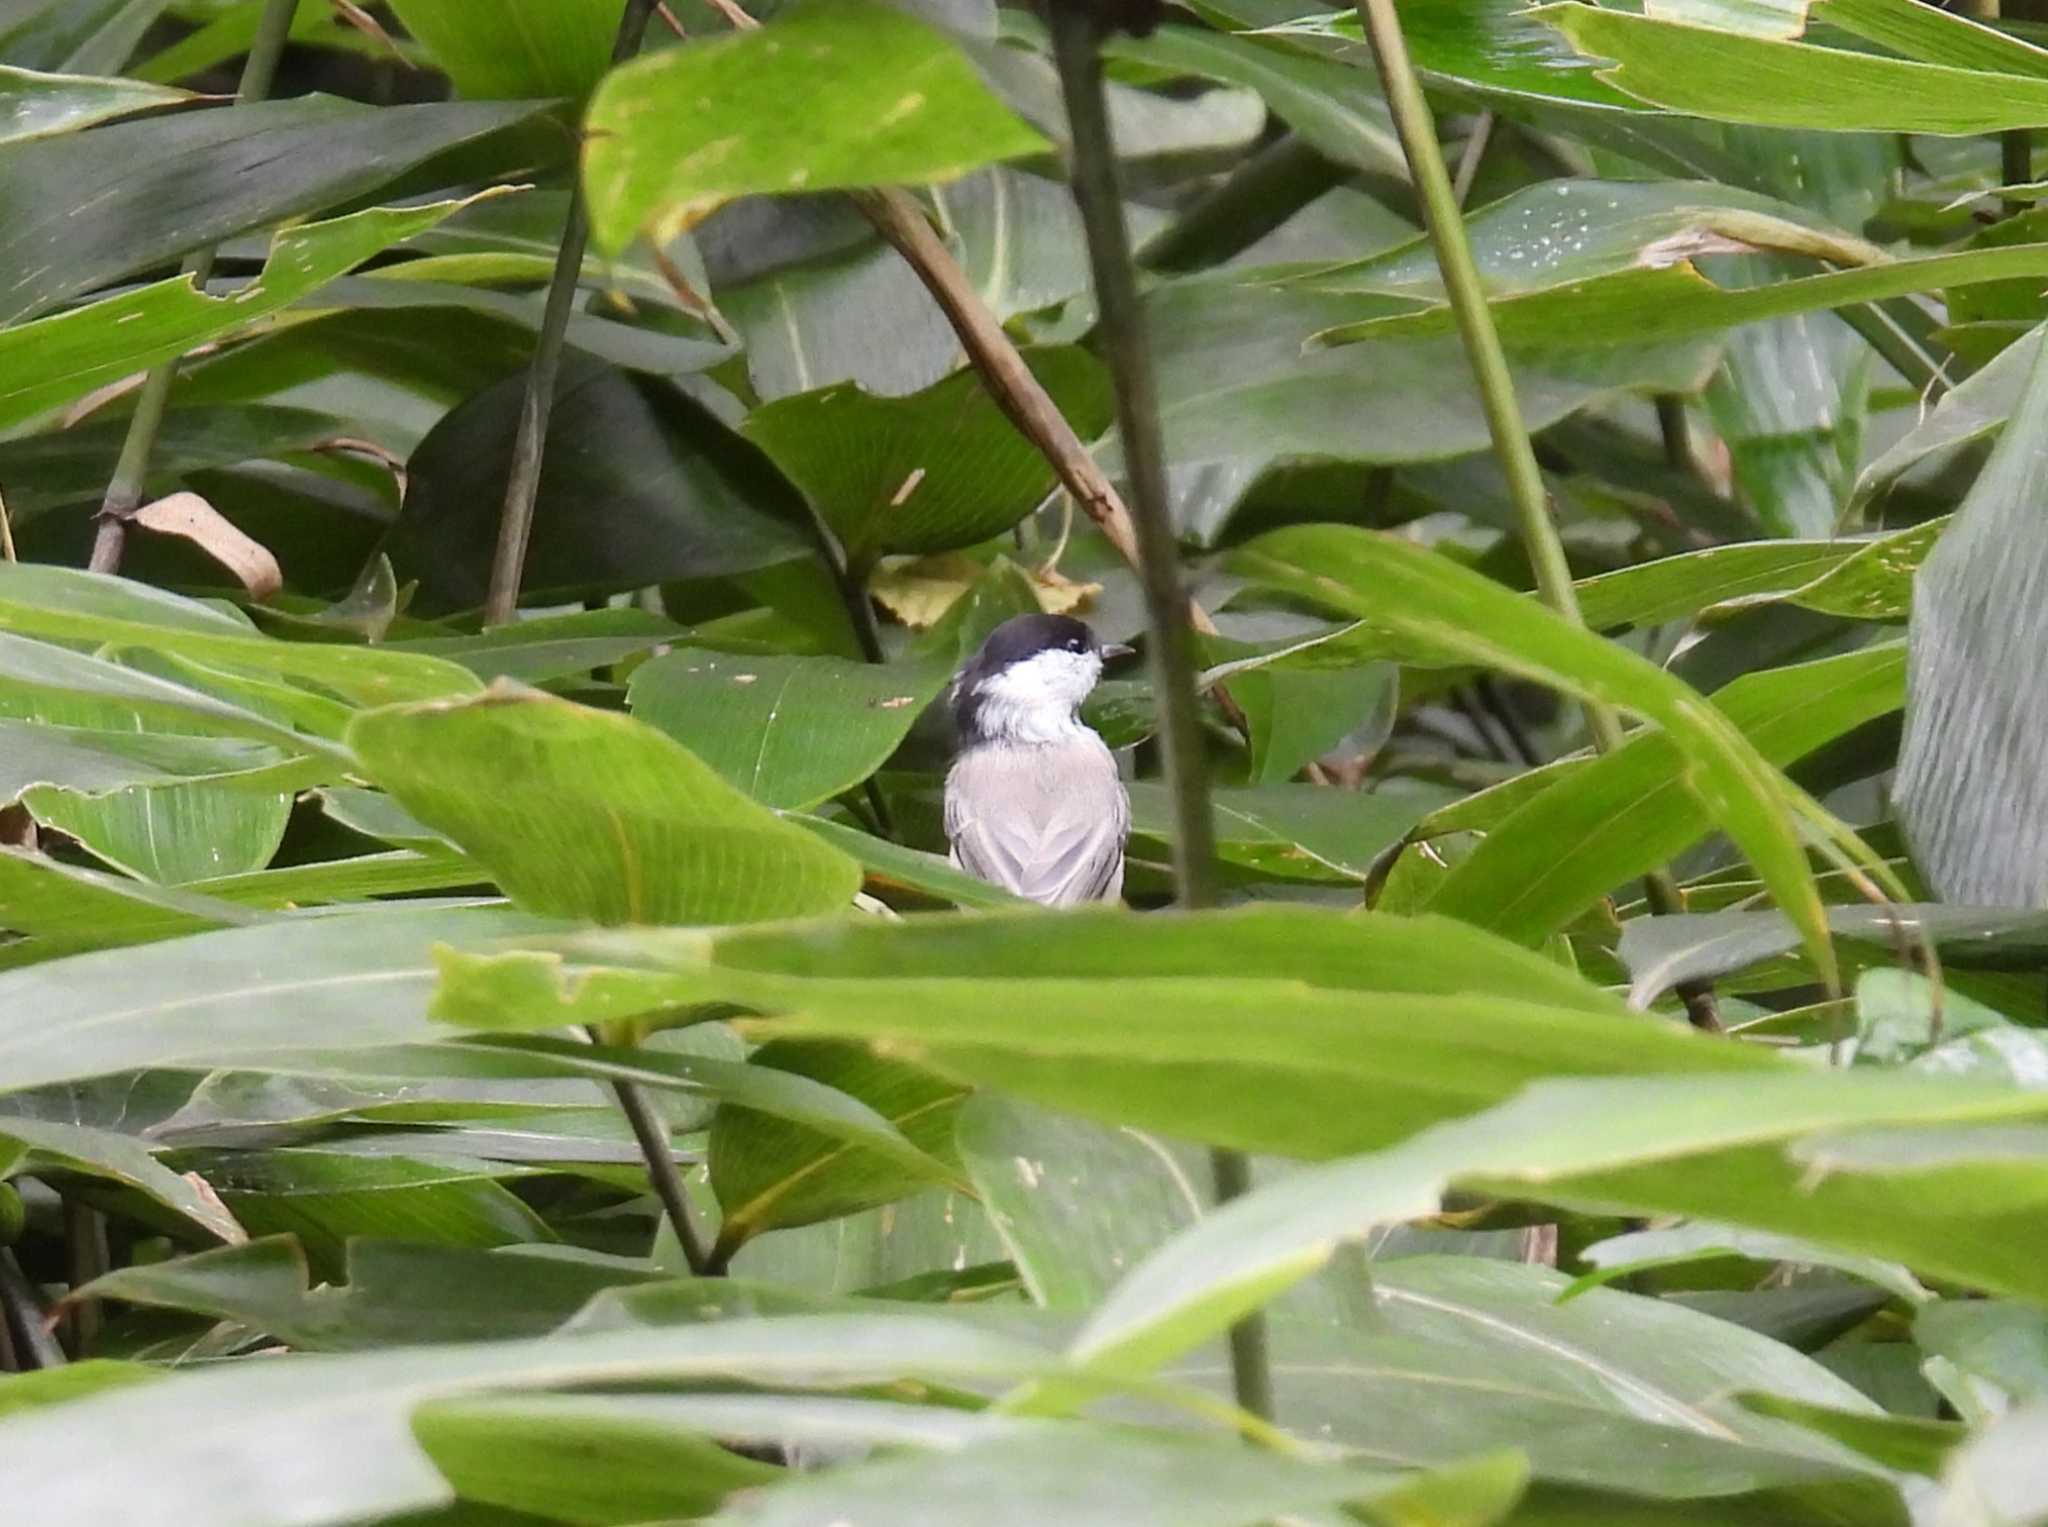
<point x="1056" y="848"/>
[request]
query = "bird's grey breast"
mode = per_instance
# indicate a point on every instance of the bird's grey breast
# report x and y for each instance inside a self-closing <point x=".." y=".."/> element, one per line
<point x="1047" y="822"/>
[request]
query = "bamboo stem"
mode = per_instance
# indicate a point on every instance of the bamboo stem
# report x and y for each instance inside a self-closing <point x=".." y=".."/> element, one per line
<point x="652" y="1134"/>
<point x="131" y="469"/>
<point x="1076" y="38"/>
<point x="34" y="1345"/>
<point x="1545" y="548"/>
<point x="529" y="445"/>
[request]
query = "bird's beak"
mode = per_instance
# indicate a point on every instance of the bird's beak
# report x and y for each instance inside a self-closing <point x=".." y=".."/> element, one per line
<point x="1111" y="651"/>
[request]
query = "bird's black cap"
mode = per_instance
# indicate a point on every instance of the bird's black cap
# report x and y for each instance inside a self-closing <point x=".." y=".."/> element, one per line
<point x="1018" y="638"/>
<point x="1024" y="636"/>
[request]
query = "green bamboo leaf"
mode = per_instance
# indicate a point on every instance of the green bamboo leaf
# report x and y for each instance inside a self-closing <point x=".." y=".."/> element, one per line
<point x="49" y="899"/>
<point x="773" y="1170"/>
<point x="556" y="48"/>
<point x="36" y="105"/>
<point x="1675" y="301"/>
<point x="935" y="471"/>
<point x="1261" y="1028"/>
<point x="1776" y="83"/>
<point x="37" y="671"/>
<point x="591" y="814"/>
<point x="1451" y="615"/>
<point x="116" y="1158"/>
<point x="889" y="101"/>
<point x="1743" y="1151"/>
<point x="1619" y="816"/>
<point x="332" y="982"/>
<point x="132" y="196"/>
<point x="1969" y="791"/>
<point x="56" y="359"/>
<point x="789" y="731"/>
<point x="185" y="1450"/>
<point x="70" y="605"/>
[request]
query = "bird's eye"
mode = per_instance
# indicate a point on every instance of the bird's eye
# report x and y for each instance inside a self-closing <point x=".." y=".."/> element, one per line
<point x="1073" y="644"/>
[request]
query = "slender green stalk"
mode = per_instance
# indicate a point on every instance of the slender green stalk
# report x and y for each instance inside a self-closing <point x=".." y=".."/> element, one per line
<point x="652" y="1134"/>
<point x="1076" y="37"/>
<point x="529" y="445"/>
<point x="1545" y="548"/>
<point x="131" y="470"/>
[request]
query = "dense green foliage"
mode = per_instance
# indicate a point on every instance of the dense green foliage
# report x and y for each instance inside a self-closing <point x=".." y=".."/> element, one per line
<point x="370" y="968"/>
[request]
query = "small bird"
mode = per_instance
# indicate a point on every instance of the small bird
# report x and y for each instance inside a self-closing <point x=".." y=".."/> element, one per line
<point x="1033" y="802"/>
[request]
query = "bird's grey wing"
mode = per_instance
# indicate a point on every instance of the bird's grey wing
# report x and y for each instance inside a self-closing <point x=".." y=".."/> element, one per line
<point x="1066" y="848"/>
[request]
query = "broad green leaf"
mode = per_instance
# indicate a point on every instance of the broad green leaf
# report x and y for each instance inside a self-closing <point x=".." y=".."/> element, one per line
<point x="1976" y="408"/>
<point x="1237" y="393"/>
<point x="1669" y="587"/>
<point x="1767" y="706"/>
<point x="231" y="28"/>
<point x="82" y="36"/>
<point x="104" y="1154"/>
<point x="1446" y="613"/>
<point x="1018" y="238"/>
<point x="1447" y="1356"/>
<point x="1621" y="815"/>
<point x="410" y="292"/>
<point x="1740" y="1151"/>
<point x="1696" y="1241"/>
<point x="557" y="48"/>
<point x="1569" y="232"/>
<point x="134" y="195"/>
<point x="336" y="982"/>
<point x="1910" y="1444"/>
<point x="2003" y="1342"/>
<point x="892" y="867"/>
<point x="549" y="647"/>
<point x="800" y="1100"/>
<point x="73" y="1381"/>
<point x="773" y="1171"/>
<point x="40" y="670"/>
<point x="1776" y="83"/>
<point x="590" y="814"/>
<point x="396" y="1294"/>
<point x="185" y="1450"/>
<point x="93" y="760"/>
<point x="56" y="359"/>
<point x="49" y="899"/>
<point x="1875" y="582"/>
<point x="941" y="469"/>
<point x="671" y="494"/>
<point x="36" y="105"/>
<point x="69" y="605"/>
<point x="889" y="101"/>
<point x="1260" y="1028"/>
<point x="1675" y="301"/>
<point x="68" y="469"/>
<point x="1323" y="101"/>
<point x="788" y="731"/>
<point x="1293" y="832"/>
<point x="1082" y="1476"/>
<point x="346" y="880"/>
<point x="1969" y="795"/>
<point x="1932" y="36"/>
<point x="582" y="1466"/>
<point x="325" y="1198"/>
<point x="170" y="834"/>
<point x="1660" y="952"/>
